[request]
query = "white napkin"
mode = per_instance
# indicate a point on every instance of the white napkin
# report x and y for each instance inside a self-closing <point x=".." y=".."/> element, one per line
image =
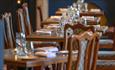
<point x="56" y="18"/>
<point x="65" y="51"/>
<point x="47" y="49"/>
<point x="95" y="10"/>
<point x="92" y="18"/>
<point x="46" y="54"/>
<point x="52" y="26"/>
<point x="63" y="9"/>
<point x="44" y="32"/>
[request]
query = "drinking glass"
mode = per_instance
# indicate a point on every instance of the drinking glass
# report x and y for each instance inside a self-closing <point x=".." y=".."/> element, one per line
<point x="20" y="43"/>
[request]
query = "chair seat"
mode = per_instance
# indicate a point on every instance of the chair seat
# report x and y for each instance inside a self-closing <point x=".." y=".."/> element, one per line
<point x="105" y="62"/>
<point x="105" y="41"/>
<point x="108" y="55"/>
<point x="105" y="65"/>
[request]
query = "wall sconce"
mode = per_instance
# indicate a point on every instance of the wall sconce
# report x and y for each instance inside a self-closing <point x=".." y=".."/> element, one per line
<point x="19" y="1"/>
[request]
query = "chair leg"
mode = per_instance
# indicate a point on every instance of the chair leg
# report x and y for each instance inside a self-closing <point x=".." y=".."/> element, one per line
<point x="62" y="65"/>
<point x="50" y="67"/>
<point x="43" y="68"/>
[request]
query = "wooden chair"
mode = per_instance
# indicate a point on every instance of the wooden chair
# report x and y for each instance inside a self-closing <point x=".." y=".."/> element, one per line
<point x="75" y="29"/>
<point x="104" y="43"/>
<point x="9" y="34"/>
<point x="21" y="22"/>
<point x="106" y="59"/>
<point x="28" y="27"/>
<point x="27" y="19"/>
<point x="25" y="26"/>
<point x="107" y="43"/>
<point x="87" y="45"/>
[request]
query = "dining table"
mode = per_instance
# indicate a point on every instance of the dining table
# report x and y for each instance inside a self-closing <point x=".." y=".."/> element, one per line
<point x="35" y="36"/>
<point x="32" y="61"/>
<point x="60" y="11"/>
<point x="11" y="59"/>
<point x="50" y="20"/>
<point x="52" y="38"/>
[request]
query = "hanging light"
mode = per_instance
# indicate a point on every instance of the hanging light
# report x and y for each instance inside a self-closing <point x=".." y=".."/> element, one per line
<point x="18" y="1"/>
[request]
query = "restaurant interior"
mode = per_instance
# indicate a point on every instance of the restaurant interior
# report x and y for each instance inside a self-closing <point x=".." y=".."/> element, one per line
<point x="57" y="35"/>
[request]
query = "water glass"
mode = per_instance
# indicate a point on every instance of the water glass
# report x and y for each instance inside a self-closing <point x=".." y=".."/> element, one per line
<point x="20" y="44"/>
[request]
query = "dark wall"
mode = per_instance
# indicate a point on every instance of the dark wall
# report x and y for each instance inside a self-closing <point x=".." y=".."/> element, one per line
<point x="111" y="8"/>
<point x="12" y="6"/>
<point x="108" y="6"/>
<point x="32" y="12"/>
<point x="55" y="4"/>
<point x="7" y="5"/>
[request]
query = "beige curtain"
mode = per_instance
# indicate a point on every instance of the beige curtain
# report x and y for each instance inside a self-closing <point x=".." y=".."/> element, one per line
<point x="44" y="9"/>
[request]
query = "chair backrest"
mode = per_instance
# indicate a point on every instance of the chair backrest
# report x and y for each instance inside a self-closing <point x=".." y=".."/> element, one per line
<point x="21" y="22"/>
<point x="27" y="19"/>
<point x="9" y="33"/>
<point x="87" y="46"/>
<point x="75" y="29"/>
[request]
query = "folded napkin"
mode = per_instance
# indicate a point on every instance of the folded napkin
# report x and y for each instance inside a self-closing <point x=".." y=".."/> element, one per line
<point x="46" y="54"/>
<point x="63" y="9"/>
<point x="58" y="17"/>
<point x="91" y="18"/>
<point x="47" y="49"/>
<point x="52" y="26"/>
<point x="55" y="18"/>
<point x="66" y="52"/>
<point x="95" y="10"/>
<point x="44" y="32"/>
